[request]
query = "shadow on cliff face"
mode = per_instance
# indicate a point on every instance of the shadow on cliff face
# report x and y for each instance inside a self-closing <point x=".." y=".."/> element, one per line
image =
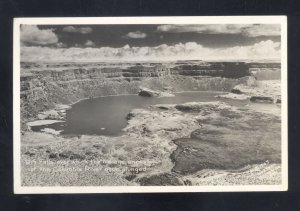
<point x="45" y="85"/>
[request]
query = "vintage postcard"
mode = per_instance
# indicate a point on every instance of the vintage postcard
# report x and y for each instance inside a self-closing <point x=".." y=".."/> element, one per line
<point x="150" y="104"/>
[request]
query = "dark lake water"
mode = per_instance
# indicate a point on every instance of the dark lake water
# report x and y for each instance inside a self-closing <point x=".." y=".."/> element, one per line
<point x="107" y="115"/>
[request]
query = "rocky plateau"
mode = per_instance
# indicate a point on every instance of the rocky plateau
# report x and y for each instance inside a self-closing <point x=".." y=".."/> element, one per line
<point x="194" y="143"/>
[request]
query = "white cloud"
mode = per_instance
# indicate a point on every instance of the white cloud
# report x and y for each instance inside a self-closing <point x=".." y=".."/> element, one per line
<point x="209" y="29"/>
<point x="61" y="45"/>
<point x="181" y="51"/>
<point x="31" y="34"/>
<point x="250" y="30"/>
<point x="136" y="35"/>
<point x="82" y="30"/>
<point x="89" y="43"/>
<point x="263" y="30"/>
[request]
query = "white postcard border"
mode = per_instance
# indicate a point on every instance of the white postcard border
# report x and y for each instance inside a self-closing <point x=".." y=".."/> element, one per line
<point x="18" y="189"/>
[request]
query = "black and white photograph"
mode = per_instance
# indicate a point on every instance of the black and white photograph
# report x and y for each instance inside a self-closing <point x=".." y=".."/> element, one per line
<point x="150" y="104"/>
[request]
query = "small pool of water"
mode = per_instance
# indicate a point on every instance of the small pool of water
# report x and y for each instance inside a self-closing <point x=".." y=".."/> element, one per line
<point x="107" y="115"/>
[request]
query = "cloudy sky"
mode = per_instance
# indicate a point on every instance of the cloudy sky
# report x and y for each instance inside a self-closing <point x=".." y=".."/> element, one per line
<point x="149" y="42"/>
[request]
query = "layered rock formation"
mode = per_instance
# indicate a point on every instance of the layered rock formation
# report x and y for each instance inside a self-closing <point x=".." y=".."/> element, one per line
<point x="45" y="85"/>
<point x="209" y="143"/>
<point x="258" y="91"/>
<point x="266" y="71"/>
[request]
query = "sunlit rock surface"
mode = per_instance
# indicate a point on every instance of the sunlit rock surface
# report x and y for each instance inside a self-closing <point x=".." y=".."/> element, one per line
<point x="176" y="140"/>
<point x="210" y="143"/>
<point x="268" y="91"/>
<point x="146" y="92"/>
<point x="44" y="85"/>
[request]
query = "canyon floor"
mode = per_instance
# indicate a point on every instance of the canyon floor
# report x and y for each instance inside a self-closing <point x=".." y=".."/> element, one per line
<point x="195" y="143"/>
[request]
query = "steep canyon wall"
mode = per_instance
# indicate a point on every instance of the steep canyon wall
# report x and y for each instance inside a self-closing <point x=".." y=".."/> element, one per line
<point x="44" y="85"/>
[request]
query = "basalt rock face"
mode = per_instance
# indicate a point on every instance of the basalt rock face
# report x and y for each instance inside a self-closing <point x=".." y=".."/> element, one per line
<point x="266" y="71"/>
<point x="45" y="85"/>
<point x="220" y="69"/>
<point x="147" y="92"/>
<point x="228" y="138"/>
<point x="259" y="99"/>
<point x="166" y="179"/>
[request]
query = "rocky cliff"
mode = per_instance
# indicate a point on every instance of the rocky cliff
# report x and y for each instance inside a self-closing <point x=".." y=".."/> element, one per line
<point x="43" y="85"/>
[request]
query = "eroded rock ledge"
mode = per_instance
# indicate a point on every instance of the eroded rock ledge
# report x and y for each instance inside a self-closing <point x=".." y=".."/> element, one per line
<point x="268" y="91"/>
<point x="227" y="138"/>
<point x="180" y="141"/>
<point x="43" y="85"/>
<point x="146" y="92"/>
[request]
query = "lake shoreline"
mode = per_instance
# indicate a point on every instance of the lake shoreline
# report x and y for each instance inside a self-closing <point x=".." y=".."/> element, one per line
<point x="171" y="137"/>
<point x="156" y="131"/>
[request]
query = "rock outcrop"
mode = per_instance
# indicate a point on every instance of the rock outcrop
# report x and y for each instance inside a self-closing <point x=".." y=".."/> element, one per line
<point x="210" y="136"/>
<point x="175" y="144"/>
<point x="222" y="139"/>
<point x="145" y="92"/>
<point x="167" y="179"/>
<point x="226" y="132"/>
<point x="268" y="91"/>
<point x="266" y="71"/>
<point x="45" y="85"/>
<point x="262" y="99"/>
